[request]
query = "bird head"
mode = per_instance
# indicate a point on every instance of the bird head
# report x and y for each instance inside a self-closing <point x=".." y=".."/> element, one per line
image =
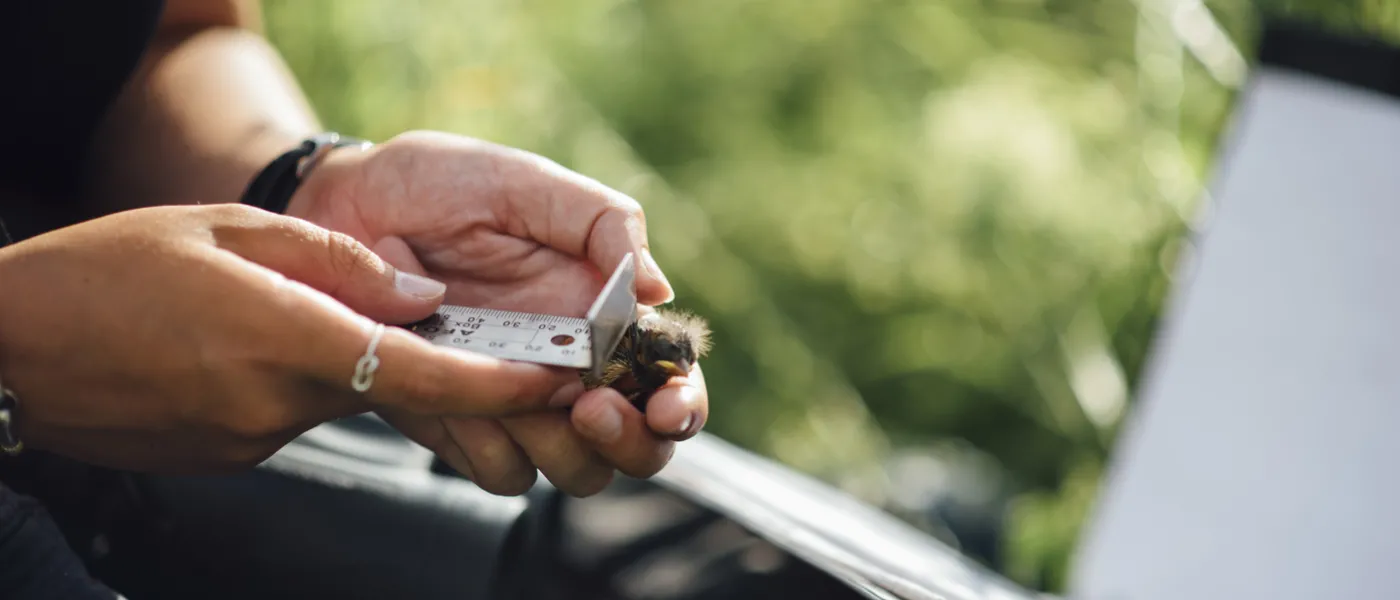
<point x="669" y="343"/>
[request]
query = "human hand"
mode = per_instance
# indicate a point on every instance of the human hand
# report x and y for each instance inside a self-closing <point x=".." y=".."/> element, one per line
<point x="508" y="229"/>
<point x="185" y="339"/>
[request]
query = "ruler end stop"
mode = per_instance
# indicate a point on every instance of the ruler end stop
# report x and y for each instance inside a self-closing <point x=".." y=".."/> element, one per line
<point x="613" y="312"/>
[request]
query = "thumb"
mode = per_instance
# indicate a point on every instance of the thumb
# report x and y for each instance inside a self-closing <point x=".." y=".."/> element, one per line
<point x="337" y="265"/>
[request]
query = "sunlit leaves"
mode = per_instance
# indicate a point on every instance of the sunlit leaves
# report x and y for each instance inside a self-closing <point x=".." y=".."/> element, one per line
<point x="907" y="220"/>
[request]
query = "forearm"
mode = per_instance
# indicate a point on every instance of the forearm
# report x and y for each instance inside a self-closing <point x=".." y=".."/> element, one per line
<point x="211" y="104"/>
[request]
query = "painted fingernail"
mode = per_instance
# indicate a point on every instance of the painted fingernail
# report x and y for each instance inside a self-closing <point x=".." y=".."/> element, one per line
<point x="565" y="396"/>
<point x="649" y="262"/>
<point x="418" y="286"/>
<point x="606" y="426"/>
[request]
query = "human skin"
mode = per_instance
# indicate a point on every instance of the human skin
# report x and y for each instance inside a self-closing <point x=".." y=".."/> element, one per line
<point x="212" y="104"/>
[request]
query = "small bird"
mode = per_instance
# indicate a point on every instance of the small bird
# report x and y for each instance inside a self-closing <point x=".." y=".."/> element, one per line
<point x="657" y="347"/>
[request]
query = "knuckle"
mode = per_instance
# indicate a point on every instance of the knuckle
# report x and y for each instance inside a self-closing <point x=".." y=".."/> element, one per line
<point x="414" y="137"/>
<point x="346" y="255"/>
<point x="539" y="163"/>
<point x="590" y="483"/>
<point x="425" y="393"/>
<point x="628" y="206"/>
<point x="496" y="392"/>
<point x="520" y="483"/>
<point x="229" y="211"/>
<point x="231" y="223"/>
<point x="495" y="456"/>
<point x="514" y="392"/>
<point x="511" y="482"/>
<point x="628" y="212"/>
<point x="651" y="463"/>
<point x="500" y="469"/>
<point x="503" y="394"/>
<point x="532" y="392"/>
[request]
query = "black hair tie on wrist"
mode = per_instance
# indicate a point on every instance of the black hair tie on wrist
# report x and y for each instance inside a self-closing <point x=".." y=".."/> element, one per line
<point x="274" y="186"/>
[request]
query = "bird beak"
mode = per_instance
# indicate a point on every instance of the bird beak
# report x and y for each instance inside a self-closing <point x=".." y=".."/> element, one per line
<point x="674" y="369"/>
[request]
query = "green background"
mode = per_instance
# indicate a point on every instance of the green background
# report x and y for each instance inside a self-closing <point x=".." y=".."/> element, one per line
<point x="923" y="231"/>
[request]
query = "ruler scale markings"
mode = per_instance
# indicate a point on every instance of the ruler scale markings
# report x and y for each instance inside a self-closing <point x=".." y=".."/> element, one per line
<point x="548" y="339"/>
<point x="545" y="339"/>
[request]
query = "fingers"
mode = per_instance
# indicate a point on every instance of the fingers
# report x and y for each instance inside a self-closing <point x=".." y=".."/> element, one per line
<point x="498" y="464"/>
<point x="504" y="457"/>
<point x="325" y="340"/>
<point x="430" y="433"/>
<point x="618" y="231"/>
<point x="580" y="216"/>
<point x="335" y="264"/>
<point x="641" y="444"/>
<point x="620" y="433"/>
<point x="423" y="379"/>
<point x="578" y="452"/>
<point x="560" y="453"/>
<point x="479" y="449"/>
<point x="307" y="333"/>
<point x="680" y="409"/>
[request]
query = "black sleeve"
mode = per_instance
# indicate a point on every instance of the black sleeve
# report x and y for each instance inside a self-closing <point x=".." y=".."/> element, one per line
<point x="35" y="559"/>
<point x="62" y="63"/>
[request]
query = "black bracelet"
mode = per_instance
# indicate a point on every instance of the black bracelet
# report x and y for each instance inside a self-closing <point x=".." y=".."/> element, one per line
<point x="9" y="440"/>
<point x="273" y="188"/>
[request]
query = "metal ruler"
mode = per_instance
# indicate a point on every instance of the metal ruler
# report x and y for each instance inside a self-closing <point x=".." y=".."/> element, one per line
<point x="581" y="343"/>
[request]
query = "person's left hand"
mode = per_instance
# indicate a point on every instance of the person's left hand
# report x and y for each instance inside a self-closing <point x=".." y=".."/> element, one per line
<point x="507" y="229"/>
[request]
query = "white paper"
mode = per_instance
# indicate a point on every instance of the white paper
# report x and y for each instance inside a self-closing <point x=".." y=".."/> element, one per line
<point x="1263" y="459"/>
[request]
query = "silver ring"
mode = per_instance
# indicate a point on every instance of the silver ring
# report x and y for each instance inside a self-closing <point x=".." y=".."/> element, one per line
<point x="368" y="364"/>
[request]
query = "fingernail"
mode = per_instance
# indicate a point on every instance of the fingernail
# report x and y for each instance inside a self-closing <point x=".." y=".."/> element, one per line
<point x="694" y="424"/>
<point x="606" y="426"/>
<point x="566" y="395"/>
<point x="418" y="286"/>
<point x="654" y="269"/>
<point x="694" y="421"/>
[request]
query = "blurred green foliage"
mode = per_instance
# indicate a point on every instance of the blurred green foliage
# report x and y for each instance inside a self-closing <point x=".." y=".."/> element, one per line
<point x="909" y="222"/>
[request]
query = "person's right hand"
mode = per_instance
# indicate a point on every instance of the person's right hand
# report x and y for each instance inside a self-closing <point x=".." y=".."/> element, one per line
<point x="202" y="338"/>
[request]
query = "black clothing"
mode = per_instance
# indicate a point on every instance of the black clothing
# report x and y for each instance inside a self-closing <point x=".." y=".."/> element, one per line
<point x="35" y="559"/>
<point x="65" y="61"/>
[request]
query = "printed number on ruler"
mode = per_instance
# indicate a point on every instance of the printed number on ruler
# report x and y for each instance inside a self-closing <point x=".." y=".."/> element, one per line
<point x="561" y="341"/>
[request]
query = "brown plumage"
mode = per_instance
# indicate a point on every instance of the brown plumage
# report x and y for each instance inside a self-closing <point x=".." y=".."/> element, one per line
<point x="659" y="346"/>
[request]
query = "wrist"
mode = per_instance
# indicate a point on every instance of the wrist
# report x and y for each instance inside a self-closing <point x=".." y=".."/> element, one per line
<point x="278" y="183"/>
<point x="332" y="179"/>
